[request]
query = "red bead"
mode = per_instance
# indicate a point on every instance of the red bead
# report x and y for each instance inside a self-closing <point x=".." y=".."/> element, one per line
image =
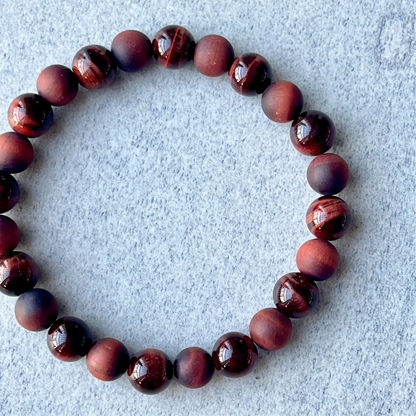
<point x="328" y="217"/>
<point x="270" y="329"/>
<point x="30" y="115"/>
<point x="318" y="259"/>
<point x="16" y="152"/>
<point x="9" y="236"/>
<point x="9" y="192"/>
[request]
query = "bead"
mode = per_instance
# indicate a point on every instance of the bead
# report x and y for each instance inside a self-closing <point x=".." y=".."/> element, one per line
<point x="312" y="133"/>
<point x="57" y="84"/>
<point x="18" y="273"/>
<point x="16" y="152"/>
<point x="9" y="235"/>
<point x="250" y="74"/>
<point x="328" y="217"/>
<point x="193" y="367"/>
<point x="108" y="359"/>
<point x="234" y="354"/>
<point x="270" y="329"/>
<point x="213" y="55"/>
<point x="150" y="371"/>
<point x="318" y="259"/>
<point x="95" y="67"/>
<point x="36" y="310"/>
<point x="69" y="339"/>
<point x="328" y="174"/>
<point x="9" y="192"/>
<point x="30" y="115"/>
<point x="282" y="101"/>
<point x="173" y="47"/>
<point x="295" y="295"/>
<point x="132" y="50"/>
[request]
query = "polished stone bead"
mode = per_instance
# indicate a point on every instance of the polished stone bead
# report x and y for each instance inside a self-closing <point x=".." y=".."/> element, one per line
<point x="328" y="217"/>
<point x="9" y="235"/>
<point x="9" y="192"/>
<point x="16" y="152"/>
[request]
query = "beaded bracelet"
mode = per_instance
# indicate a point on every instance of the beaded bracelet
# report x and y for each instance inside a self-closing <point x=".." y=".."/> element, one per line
<point x="295" y="294"/>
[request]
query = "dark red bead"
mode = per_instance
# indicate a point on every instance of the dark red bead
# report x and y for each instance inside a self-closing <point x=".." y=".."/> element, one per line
<point x="30" y="115"/>
<point x="234" y="354"/>
<point x="9" y="192"/>
<point x="312" y="133"/>
<point x="69" y="339"/>
<point x="193" y="367"/>
<point x="9" y="236"/>
<point x="36" y="310"/>
<point x="16" y="152"/>
<point x="295" y="295"/>
<point x="150" y="371"/>
<point x="328" y="217"/>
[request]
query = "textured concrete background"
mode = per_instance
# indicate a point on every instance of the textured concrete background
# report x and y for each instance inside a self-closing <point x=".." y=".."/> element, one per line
<point x="163" y="210"/>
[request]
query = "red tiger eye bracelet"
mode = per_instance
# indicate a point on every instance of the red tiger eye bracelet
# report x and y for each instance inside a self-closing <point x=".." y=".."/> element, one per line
<point x="295" y="294"/>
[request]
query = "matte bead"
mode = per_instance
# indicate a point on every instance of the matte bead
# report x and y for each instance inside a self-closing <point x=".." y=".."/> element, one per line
<point x="108" y="359"/>
<point x="9" y="235"/>
<point x="36" y="310"/>
<point x="282" y="101"/>
<point x="295" y="295"/>
<point x="132" y="50"/>
<point x="250" y="74"/>
<point x="213" y="55"/>
<point x="328" y="174"/>
<point x="328" y="217"/>
<point x="95" y="67"/>
<point x="16" y="152"/>
<point x="9" y="192"/>
<point x="57" y="84"/>
<point x="18" y="273"/>
<point x="150" y="371"/>
<point x="270" y="329"/>
<point x="312" y="133"/>
<point x="318" y="259"/>
<point x="30" y="115"/>
<point x="173" y="47"/>
<point x="234" y="354"/>
<point x="69" y="339"/>
<point x="193" y="367"/>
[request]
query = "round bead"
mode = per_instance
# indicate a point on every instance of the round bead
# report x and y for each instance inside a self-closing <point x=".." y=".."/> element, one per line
<point x="282" y="101"/>
<point x="95" y="67"/>
<point x="318" y="259"/>
<point x="30" y="115"/>
<point x="57" y="84"/>
<point x="234" y="354"/>
<point x="69" y="339"/>
<point x="193" y="367"/>
<point x="213" y="55"/>
<point x="108" y="359"/>
<point x="16" y="152"/>
<point x="270" y="329"/>
<point x="132" y="50"/>
<point x="9" y="235"/>
<point x="250" y="74"/>
<point x="328" y="217"/>
<point x="9" y="192"/>
<point x="295" y="295"/>
<point x="173" y="47"/>
<point x="312" y="133"/>
<point x="36" y="310"/>
<point x="150" y="371"/>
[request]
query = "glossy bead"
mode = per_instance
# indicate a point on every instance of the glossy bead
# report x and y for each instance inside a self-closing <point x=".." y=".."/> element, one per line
<point x="193" y="367"/>
<point x="270" y="329"/>
<point x="108" y="359"/>
<point x="36" y="310"/>
<point x="213" y="55"/>
<point x="150" y="371"/>
<point x="295" y="295"/>
<point x="30" y="115"/>
<point x="9" y="235"/>
<point x="250" y="74"/>
<point x="318" y="259"/>
<point x="312" y="133"/>
<point x="95" y="67"/>
<point x="9" y="192"/>
<point x="132" y="50"/>
<point x="282" y="101"/>
<point x="69" y="339"/>
<point x="328" y="217"/>
<point x="16" y="152"/>
<point x="18" y="273"/>
<point x="234" y="354"/>
<point x="173" y="47"/>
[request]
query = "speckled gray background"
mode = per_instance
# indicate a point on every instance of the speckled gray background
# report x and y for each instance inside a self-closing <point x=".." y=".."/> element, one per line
<point x="163" y="210"/>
